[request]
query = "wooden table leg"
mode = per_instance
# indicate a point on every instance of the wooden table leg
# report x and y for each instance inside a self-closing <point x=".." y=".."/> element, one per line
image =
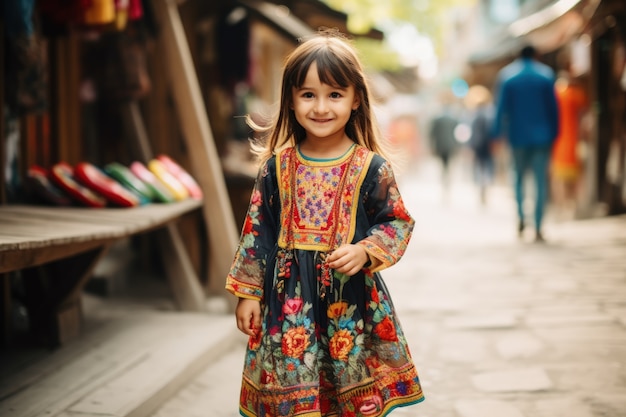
<point x="53" y="296"/>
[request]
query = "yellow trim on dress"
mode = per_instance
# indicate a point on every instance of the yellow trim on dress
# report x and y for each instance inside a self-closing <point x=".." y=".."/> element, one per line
<point x="356" y="173"/>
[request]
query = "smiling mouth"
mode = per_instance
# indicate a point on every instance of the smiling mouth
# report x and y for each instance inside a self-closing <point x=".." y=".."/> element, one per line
<point x="321" y="120"/>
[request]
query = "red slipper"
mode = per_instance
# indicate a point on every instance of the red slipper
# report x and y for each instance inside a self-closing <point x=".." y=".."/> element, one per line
<point x="63" y="175"/>
<point x="94" y="178"/>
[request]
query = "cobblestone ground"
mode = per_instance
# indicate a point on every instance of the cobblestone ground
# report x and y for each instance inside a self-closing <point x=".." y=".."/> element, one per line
<point x="498" y="326"/>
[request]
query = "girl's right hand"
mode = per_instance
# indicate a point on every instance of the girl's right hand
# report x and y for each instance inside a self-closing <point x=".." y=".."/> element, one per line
<point x="248" y="315"/>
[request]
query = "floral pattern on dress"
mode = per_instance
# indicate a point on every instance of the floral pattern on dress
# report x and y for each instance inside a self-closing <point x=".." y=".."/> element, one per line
<point x="330" y="344"/>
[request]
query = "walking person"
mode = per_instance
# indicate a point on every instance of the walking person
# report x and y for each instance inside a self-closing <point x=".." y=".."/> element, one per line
<point x="325" y="217"/>
<point x="527" y="114"/>
<point x="442" y="139"/>
<point x="478" y="102"/>
<point x="566" y="161"/>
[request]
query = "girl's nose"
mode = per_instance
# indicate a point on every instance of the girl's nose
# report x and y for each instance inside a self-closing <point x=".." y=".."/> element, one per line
<point x="321" y="106"/>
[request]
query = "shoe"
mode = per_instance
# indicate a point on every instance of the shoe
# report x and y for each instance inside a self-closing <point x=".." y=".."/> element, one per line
<point x="539" y="237"/>
<point x="520" y="228"/>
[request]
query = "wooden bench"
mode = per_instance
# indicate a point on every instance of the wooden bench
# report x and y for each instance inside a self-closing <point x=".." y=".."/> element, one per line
<point x="56" y="248"/>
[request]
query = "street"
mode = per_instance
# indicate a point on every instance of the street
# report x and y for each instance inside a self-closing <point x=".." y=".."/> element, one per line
<point x="498" y="326"/>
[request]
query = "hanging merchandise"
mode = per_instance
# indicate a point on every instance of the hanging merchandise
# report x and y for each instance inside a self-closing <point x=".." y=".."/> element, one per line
<point x="126" y="10"/>
<point x="98" y="12"/>
<point x="135" y="9"/>
<point x="25" y="75"/>
<point x="121" y="14"/>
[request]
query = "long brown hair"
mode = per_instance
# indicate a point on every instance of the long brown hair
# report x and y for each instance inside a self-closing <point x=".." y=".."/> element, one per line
<point x="337" y="65"/>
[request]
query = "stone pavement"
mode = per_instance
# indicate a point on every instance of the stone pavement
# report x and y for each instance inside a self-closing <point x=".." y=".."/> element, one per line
<point x="498" y="326"/>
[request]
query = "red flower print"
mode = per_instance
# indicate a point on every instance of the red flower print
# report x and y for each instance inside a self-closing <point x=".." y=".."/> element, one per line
<point x="400" y="211"/>
<point x="389" y="231"/>
<point x="336" y="310"/>
<point x="256" y="199"/>
<point x="255" y="341"/>
<point x="295" y="342"/>
<point x="266" y="377"/>
<point x="274" y="330"/>
<point x="340" y="345"/>
<point x="292" y="306"/>
<point x="372" y="362"/>
<point x="386" y="330"/>
<point x="248" y="226"/>
<point x="374" y="295"/>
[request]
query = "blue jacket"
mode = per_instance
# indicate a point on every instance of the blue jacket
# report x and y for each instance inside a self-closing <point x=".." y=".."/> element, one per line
<point x="526" y="106"/>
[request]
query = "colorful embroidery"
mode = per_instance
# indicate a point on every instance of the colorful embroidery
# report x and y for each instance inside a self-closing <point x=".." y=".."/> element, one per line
<point x="311" y="195"/>
<point x="330" y="344"/>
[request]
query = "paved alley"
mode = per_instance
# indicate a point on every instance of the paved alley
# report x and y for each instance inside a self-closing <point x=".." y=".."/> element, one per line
<point x="498" y="327"/>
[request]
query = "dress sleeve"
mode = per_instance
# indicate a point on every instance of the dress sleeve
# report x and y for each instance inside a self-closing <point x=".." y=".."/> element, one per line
<point x="258" y="237"/>
<point x="391" y="225"/>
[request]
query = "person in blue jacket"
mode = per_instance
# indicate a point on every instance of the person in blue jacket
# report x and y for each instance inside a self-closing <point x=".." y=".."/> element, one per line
<point x="527" y="116"/>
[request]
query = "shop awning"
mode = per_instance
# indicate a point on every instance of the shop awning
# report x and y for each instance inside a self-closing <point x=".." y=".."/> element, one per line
<point x="280" y="17"/>
<point x="548" y="29"/>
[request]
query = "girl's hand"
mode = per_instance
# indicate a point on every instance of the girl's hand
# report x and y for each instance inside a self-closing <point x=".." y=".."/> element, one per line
<point x="248" y="315"/>
<point x="347" y="259"/>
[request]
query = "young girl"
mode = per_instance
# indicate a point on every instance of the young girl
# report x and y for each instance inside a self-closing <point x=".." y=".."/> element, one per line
<point x="325" y="216"/>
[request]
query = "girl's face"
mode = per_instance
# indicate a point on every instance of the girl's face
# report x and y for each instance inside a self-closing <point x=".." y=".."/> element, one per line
<point x="321" y="109"/>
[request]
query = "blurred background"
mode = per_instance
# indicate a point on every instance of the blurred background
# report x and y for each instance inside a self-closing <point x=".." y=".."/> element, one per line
<point x="72" y="71"/>
<point x="104" y="81"/>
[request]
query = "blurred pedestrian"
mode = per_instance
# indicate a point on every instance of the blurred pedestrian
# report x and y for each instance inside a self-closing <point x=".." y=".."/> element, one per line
<point x="565" y="164"/>
<point x="325" y="216"/>
<point x="478" y="102"/>
<point x="442" y="138"/>
<point x="527" y="115"/>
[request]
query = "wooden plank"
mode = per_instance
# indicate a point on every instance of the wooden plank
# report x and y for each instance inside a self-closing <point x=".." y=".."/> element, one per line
<point x="89" y="224"/>
<point x="12" y="260"/>
<point x="207" y="168"/>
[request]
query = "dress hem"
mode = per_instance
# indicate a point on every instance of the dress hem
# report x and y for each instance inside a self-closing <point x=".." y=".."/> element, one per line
<point x="385" y="412"/>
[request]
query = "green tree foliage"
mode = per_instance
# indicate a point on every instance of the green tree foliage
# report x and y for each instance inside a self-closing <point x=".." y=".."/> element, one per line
<point x="377" y="55"/>
<point x="430" y="17"/>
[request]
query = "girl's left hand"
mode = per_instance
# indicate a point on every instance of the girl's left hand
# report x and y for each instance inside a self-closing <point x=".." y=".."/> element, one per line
<point x="347" y="259"/>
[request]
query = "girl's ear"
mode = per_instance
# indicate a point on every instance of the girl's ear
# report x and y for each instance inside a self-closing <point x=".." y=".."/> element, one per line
<point x="356" y="104"/>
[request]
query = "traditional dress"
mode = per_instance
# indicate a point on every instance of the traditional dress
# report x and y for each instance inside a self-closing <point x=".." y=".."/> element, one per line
<point x="330" y="344"/>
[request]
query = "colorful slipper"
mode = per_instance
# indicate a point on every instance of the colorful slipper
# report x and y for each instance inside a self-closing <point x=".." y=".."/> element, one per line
<point x="94" y="178"/>
<point x="124" y="176"/>
<point x="177" y="189"/>
<point x="182" y="175"/>
<point x="40" y="188"/>
<point x="62" y="174"/>
<point x="161" y="193"/>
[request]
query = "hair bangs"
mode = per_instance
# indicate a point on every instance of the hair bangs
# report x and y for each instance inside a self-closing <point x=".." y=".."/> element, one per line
<point x="331" y="69"/>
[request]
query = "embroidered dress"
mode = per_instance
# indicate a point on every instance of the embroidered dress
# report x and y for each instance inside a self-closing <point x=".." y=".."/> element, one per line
<point x="330" y="344"/>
